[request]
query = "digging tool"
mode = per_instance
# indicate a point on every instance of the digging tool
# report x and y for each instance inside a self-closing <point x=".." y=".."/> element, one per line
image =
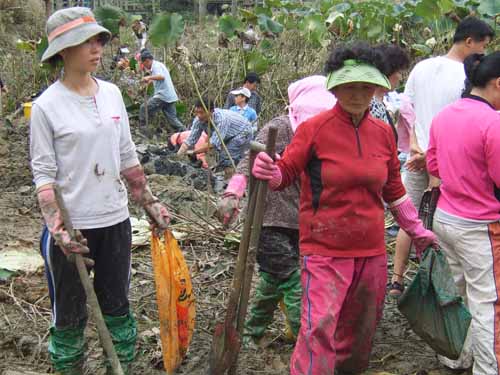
<point x="226" y="340"/>
<point x="104" y="335"/>
<point x="258" y="217"/>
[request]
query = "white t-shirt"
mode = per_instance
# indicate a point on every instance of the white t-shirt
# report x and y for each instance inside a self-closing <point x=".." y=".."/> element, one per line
<point x="433" y="84"/>
<point x="81" y="144"/>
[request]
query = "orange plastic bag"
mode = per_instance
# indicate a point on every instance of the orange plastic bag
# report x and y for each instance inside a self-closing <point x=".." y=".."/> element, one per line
<point x="175" y="299"/>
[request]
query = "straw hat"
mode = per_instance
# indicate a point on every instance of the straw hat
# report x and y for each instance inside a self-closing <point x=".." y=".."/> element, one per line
<point x="70" y="27"/>
<point x="356" y="71"/>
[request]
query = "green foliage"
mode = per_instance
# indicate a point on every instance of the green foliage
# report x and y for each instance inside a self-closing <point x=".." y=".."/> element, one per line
<point x="166" y="29"/>
<point x="489" y="7"/>
<point x="256" y="62"/>
<point x="266" y="24"/>
<point x="230" y="26"/>
<point x="109" y="16"/>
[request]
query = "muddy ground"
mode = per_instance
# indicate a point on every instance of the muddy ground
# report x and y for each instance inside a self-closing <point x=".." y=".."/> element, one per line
<point x="25" y="305"/>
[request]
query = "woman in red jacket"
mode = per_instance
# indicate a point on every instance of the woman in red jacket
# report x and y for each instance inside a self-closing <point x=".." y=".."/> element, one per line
<point x="348" y="165"/>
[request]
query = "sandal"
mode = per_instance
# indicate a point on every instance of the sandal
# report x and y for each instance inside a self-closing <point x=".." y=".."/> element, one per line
<point x="396" y="289"/>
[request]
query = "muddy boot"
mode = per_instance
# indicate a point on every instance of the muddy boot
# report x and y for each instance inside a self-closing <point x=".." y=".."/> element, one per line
<point x="291" y="289"/>
<point x="265" y="303"/>
<point x="123" y="332"/>
<point x="66" y="349"/>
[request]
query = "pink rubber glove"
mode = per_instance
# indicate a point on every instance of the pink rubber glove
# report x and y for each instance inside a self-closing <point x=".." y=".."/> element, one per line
<point x="228" y="206"/>
<point x="264" y="168"/>
<point x="141" y="194"/>
<point x="406" y="216"/>
<point x="55" y="224"/>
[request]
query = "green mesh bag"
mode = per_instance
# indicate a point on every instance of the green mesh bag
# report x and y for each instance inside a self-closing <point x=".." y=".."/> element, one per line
<point x="433" y="307"/>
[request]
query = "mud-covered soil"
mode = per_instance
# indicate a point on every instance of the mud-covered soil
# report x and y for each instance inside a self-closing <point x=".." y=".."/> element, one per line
<point x="25" y="305"/>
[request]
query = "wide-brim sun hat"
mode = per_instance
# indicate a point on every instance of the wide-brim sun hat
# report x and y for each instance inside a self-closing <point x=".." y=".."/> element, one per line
<point x="242" y="91"/>
<point x="71" y="27"/>
<point x="356" y="71"/>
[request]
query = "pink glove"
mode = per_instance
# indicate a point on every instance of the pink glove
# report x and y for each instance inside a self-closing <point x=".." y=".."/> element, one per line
<point x="228" y="206"/>
<point x="264" y="168"/>
<point x="141" y="194"/>
<point x="55" y="224"/>
<point x="406" y="216"/>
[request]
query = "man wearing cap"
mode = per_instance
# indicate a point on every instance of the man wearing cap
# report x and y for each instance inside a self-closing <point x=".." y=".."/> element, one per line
<point x="241" y="97"/>
<point x="251" y="81"/>
<point x="234" y="131"/>
<point x="164" y="97"/>
<point x="80" y="144"/>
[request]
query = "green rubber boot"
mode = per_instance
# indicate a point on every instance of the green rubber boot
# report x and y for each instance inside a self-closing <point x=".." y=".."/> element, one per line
<point x="264" y="304"/>
<point x="66" y="349"/>
<point x="291" y="305"/>
<point x="123" y="332"/>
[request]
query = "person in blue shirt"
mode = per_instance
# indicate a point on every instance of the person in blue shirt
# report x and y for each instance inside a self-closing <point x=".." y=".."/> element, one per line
<point x="164" y="97"/>
<point x="241" y="97"/>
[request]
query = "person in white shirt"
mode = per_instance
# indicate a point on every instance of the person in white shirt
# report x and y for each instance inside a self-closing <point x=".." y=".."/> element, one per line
<point x="80" y="142"/>
<point x="434" y="83"/>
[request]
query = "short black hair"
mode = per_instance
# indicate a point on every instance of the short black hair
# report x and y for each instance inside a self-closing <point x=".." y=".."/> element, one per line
<point x="359" y="51"/>
<point x="480" y="69"/>
<point x="472" y="27"/>
<point x="396" y="59"/>
<point x="252" y="77"/>
<point x="146" y="55"/>
<point x="209" y="103"/>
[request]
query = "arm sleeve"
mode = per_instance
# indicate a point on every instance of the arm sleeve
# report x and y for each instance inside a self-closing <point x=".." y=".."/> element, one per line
<point x="128" y="155"/>
<point x="229" y="101"/>
<point x="244" y="165"/>
<point x="410" y="87"/>
<point x="430" y="156"/>
<point x="296" y="156"/>
<point x="223" y="125"/>
<point x="393" y="189"/>
<point x="43" y="156"/>
<point x="195" y="134"/>
<point x="492" y="151"/>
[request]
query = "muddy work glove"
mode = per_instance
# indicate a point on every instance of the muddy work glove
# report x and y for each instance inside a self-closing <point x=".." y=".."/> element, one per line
<point x="52" y="215"/>
<point x="264" y="168"/>
<point x="141" y="194"/>
<point x="228" y="205"/>
<point x="406" y="216"/>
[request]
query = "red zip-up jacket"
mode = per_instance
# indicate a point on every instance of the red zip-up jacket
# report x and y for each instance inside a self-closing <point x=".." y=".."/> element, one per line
<point x="345" y="172"/>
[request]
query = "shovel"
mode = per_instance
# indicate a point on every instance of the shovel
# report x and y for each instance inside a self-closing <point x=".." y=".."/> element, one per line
<point x="102" y="330"/>
<point x="227" y="336"/>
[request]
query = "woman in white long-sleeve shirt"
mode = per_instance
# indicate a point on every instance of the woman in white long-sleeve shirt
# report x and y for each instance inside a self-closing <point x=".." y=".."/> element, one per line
<point x="81" y="142"/>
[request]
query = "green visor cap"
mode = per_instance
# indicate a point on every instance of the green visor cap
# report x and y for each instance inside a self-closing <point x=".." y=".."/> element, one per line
<point x="356" y="71"/>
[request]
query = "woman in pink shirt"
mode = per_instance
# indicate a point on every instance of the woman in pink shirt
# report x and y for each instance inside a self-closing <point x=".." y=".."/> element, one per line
<point x="464" y="152"/>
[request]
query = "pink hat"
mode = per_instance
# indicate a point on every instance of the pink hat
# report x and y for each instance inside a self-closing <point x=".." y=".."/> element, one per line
<point x="308" y="97"/>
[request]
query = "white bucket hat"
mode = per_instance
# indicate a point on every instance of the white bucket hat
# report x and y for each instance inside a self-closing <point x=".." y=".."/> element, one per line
<point x="70" y="27"/>
<point x="242" y="91"/>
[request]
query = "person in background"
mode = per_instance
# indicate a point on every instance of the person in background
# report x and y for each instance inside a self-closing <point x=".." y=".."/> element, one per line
<point x="250" y="82"/>
<point x="80" y="142"/>
<point x="464" y="153"/>
<point x="396" y="61"/>
<point x="447" y="76"/>
<point x="241" y="98"/>
<point x="278" y="250"/>
<point x="140" y="30"/>
<point x="348" y="165"/>
<point x="164" y="97"/>
<point x="234" y="131"/>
